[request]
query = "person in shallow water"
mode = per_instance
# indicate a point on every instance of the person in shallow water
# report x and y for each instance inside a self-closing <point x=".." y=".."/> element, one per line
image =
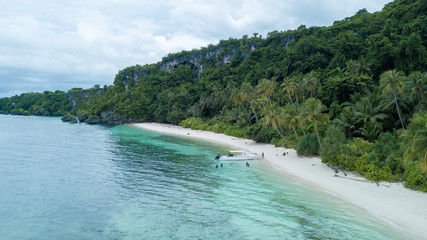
<point x="216" y="166"/>
<point x="222" y="165"/>
<point x="247" y="164"/>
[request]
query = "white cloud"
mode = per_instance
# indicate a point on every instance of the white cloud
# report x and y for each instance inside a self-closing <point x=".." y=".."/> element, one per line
<point x="52" y="44"/>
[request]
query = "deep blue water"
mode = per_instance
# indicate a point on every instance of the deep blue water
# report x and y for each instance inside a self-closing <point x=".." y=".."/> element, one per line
<point x="79" y="181"/>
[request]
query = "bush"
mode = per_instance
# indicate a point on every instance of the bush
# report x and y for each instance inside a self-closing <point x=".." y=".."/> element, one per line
<point x="308" y="146"/>
<point x="332" y="144"/>
<point x="414" y="177"/>
<point x="176" y="116"/>
<point x="366" y="166"/>
<point x="261" y="133"/>
<point x="236" y="131"/>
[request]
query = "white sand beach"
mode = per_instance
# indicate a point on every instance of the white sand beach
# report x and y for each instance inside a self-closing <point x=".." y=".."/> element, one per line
<point x="389" y="201"/>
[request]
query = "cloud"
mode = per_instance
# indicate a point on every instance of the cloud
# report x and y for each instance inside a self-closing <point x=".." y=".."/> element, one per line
<point x="63" y="44"/>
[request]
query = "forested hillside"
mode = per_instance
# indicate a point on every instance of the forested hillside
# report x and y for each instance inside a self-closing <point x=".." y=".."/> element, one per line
<point x="353" y="93"/>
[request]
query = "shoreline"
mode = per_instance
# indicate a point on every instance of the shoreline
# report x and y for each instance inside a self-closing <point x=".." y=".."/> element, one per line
<point x="390" y="202"/>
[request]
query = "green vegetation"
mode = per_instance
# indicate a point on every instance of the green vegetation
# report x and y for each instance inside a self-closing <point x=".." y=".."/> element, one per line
<point x="354" y="92"/>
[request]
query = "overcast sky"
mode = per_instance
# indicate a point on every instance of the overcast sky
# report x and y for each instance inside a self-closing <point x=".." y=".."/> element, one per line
<point x="60" y="44"/>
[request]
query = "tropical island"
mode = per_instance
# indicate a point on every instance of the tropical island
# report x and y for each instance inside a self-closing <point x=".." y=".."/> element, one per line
<point x="353" y="93"/>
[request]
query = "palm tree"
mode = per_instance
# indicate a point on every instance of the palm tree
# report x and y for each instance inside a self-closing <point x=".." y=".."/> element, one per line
<point x="368" y="115"/>
<point x="266" y="87"/>
<point x="290" y="87"/>
<point x="262" y="102"/>
<point x="290" y="118"/>
<point x="313" y="111"/>
<point x="392" y="81"/>
<point x="352" y="67"/>
<point x="246" y="92"/>
<point x="347" y="120"/>
<point x="415" y="138"/>
<point x="237" y="99"/>
<point x="272" y="119"/>
<point x="311" y="81"/>
<point x="416" y="85"/>
<point x="364" y="66"/>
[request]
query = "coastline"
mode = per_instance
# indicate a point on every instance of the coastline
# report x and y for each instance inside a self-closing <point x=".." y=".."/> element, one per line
<point x="390" y="202"/>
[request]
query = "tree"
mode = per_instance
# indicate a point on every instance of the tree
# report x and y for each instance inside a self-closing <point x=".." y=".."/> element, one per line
<point x="238" y="99"/>
<point x="415" y="140"/>
<point x="391" y="81"/>
<point x="312" y="111"/>
<point x="289" y="86"/>
<point x="247" y="92"/>
<point x="416" y="86"/>
<point x="272" y="119"/>
<point x="311" y="81"/>
<point x="266" y="87"/>
<point x="368" y="116"/>
<point x="290" y="118"/>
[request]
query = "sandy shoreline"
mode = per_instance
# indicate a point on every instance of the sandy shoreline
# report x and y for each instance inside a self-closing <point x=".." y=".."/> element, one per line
<point x="390" y="201"/>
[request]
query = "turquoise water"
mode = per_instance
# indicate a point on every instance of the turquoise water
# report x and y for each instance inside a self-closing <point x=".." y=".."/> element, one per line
<point x="65" y="181"/>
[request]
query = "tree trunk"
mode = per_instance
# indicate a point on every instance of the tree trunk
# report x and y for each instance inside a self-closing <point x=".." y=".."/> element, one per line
<point x="253" y="110"/>
<point x="290" y="99"/>
<point x="315" y="129"/>
<point x="398" y="111"/>
<point x="281" y="134"/>
<point x="302" y="128"/>
<point x="247" y="114"/>
<point x="296" y="97"/>
<point x="296" y="134"/>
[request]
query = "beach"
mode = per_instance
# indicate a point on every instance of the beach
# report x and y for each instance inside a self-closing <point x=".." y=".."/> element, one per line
<point x="390" y="202"/>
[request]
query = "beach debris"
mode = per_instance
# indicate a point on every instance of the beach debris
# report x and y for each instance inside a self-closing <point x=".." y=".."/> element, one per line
<point x="335" y="170"/>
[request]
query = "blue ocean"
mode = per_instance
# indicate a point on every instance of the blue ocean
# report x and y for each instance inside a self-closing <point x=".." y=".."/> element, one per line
<point x="79" y="181"/>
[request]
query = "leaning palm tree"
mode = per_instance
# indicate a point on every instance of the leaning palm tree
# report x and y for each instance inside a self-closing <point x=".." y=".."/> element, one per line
<point x="290" y="118"/>
<point x="391" y="81"/>
<point x="289" y="86"/>
<point x="272" y="119"/>
<point x="237" y="98"/>
<point x="313" y="111"/>
<point x="266" y="87"/>
<point x="246" y="93"/>
<point x="415" y="139"/>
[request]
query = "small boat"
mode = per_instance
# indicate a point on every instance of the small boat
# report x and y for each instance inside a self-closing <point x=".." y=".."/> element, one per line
<point x="237" y="156"/>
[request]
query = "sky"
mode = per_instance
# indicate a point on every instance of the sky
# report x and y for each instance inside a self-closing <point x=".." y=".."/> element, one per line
<point x="61" y="44"/>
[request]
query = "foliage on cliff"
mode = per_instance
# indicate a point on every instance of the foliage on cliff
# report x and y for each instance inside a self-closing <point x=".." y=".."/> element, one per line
<point x="354" y="92"/>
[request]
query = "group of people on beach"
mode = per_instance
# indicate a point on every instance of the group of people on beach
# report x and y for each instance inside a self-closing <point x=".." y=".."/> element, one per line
<point x="247" y="165"/>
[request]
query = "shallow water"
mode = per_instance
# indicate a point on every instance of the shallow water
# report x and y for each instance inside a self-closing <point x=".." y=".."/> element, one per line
<point x="78" y="181"/>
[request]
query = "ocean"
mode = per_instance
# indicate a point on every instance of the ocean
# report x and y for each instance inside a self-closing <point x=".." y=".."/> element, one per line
<point x="78" y="181"/>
